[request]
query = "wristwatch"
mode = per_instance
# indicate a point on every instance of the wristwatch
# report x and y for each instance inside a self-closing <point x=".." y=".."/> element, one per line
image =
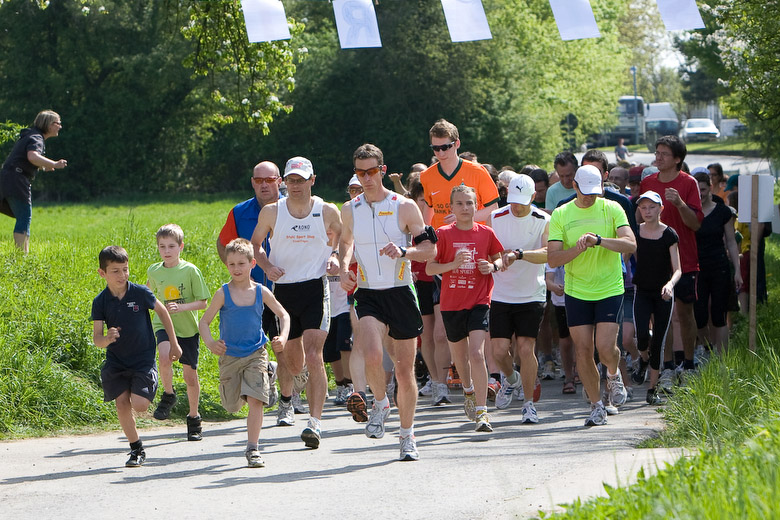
<point x="518" y="254"/>
<point x="403" y="251"/>
<point x="598" y="240"/>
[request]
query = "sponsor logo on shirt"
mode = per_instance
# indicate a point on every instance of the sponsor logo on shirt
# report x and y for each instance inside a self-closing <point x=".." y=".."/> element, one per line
<point x="385" y="213"/>
<point x="301" y="227"/>
<point x="134" y="306"/>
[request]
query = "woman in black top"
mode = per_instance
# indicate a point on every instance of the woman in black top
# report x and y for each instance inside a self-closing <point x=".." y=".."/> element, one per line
<point x="657" y="272"/>
<point x="717" y="249"/>
<point x="19" y="170"/>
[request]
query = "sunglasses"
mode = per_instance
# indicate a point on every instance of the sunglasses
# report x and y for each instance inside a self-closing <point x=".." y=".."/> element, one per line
<point x="442" y="147"/>
<point x="267" y="180"/>
<point x="369" y="171"/>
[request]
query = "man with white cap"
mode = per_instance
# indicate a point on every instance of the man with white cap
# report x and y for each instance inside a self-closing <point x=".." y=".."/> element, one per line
<point x="589" y="234"/>
<point x="299" y="258"/>
<point x="520" y="292"/>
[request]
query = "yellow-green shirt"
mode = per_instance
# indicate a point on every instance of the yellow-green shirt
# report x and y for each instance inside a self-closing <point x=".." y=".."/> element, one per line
<point x="181" y="284"/>
<point x="596" y="273"/>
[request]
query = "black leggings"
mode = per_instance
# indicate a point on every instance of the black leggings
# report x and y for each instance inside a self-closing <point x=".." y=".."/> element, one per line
<point x="712" y="296"/>
<point x="647" y="303"/>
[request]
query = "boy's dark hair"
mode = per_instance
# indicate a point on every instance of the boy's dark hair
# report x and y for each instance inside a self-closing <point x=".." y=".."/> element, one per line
<point x="675" y="144"/>
<point x="596" y="156"/>
<point x="564" y="158"/>
<point x="369" y="151"/>
<point x="718" y="170"/>
<point x="462" y="188"/>
<point x="112" y="254"/>
<point x="415" y="189"/>
<point x="443" y="128"/>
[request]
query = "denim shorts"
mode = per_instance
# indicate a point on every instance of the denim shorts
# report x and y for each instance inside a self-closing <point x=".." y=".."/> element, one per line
<point x="23" y="213"/>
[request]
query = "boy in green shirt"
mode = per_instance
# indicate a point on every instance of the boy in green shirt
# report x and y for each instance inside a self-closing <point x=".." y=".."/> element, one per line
<point x="180" y="286"/>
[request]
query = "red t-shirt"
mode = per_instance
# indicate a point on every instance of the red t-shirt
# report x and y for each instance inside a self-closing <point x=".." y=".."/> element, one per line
<point x="418" y="268"/>
<point x="465" y="287"/>
<point x="688" y="189"/>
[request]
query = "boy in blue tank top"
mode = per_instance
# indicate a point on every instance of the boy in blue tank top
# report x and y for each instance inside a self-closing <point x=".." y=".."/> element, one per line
<point x="243" y="358"/>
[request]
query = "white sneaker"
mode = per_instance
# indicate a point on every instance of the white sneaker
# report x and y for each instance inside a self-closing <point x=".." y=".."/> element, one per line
<point x="483" y="422"/>
<point x="297" y="404"/>
<point x="427" y="388"/>
<point x="598" y="416"/>
<point x="408" y="448"/>
<point x="285" y="416"/>
<point x="548" y="370"/>
<point x="529" y="413"/>
<point x="273" y="393"/>
<point x="666" y="380"/>
<point x="441" y="394"/>
<point x="506" y="394"/>
<point x="375" y="428"/>
<point x="616" y="389"/>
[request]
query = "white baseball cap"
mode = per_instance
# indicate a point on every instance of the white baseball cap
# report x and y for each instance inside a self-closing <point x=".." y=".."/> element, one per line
<point x="650" y="195"/>
<point x="299" y="166"/>
<point x="588" y="179"/>
<point x="521" y="190"/>
<point x="354" y="182"/>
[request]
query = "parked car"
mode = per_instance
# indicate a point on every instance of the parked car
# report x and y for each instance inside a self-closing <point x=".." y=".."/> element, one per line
<point x="699" y="129"/>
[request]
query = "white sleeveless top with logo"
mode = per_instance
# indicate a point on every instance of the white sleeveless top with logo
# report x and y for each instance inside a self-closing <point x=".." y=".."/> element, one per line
<point x="300" y="245"/>
<point x="373" y="226"/>
<point x="522" y="282"/>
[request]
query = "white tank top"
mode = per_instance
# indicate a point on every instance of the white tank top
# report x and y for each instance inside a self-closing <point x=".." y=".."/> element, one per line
<point x="374" y="225"/>
<point x="300" y="245"/>
<point x="522" y="282"/>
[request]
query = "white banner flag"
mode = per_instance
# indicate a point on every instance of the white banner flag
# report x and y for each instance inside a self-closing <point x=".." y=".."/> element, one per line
<point x="265" y="20"/>
<point x="466" y="20"/>
<point x="680" y="15"/>
<point x="356" y="23"/>
<point x="575" y="19"/>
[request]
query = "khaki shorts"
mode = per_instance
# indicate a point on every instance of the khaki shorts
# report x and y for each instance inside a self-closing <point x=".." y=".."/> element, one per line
<point x="242" y="377"/>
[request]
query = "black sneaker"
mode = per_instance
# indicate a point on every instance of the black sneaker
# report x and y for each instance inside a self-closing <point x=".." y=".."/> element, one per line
<point x="654" y="398"/>
<point x="163" y="411"/>
<point x="137" y="458"/>
<point x="194" y="430"/>
<point x="639" y="375"/>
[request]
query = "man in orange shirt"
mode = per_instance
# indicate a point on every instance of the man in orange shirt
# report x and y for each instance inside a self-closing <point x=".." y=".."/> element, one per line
<point x="449" y="171"/>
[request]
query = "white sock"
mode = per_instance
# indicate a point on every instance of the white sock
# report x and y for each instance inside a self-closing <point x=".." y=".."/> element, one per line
<point x="513" y="378"/>
<point x="405" y="432"/>
<point x="469" y="390"/>
<point x="384" y="403"/>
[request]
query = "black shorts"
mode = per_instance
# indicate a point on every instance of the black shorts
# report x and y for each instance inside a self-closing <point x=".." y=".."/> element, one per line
<point x="458" y="324"/>
<point x="396" y="307"/>
<point x="339" y="338"/>
<point x="520" y="319"/>
<point x="117" y="380"/>
<point x="270" y="323"/>
<point x="587" y="312"/>
<point x="190" y="348"/>
<point x="307" y="303"/>
<point x="560" y="317"/>
<point x="685" y="290"/>
<point x="428" y="296"/>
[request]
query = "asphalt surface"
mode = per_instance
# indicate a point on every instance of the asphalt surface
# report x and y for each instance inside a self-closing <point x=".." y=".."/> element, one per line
<point x="510" y="473"/>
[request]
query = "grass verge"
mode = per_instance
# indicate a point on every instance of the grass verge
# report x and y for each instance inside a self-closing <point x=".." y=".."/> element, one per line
<point x="730" y="412"/>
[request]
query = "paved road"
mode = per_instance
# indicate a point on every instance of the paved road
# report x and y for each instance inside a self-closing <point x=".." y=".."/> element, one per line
<point x="731" y="163"/>
<point x="510" y="473"/>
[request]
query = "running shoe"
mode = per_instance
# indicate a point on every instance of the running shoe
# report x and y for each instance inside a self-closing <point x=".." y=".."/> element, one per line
<point x="611" y="408"/>
<point x="639" y="375"/>
<point x="453" y="379"/>
<point x="163" y="411"/>
<point x="529" y="414"/>
<point x="297" y="404"/>
<point x="548" y="370"/>
<point x="470" y="405"/>
<point x="685" y="375"/>
<point x="253" y="459"/>
<point x="273" y="393"/>
<point x="537" y="391"/>
<point x="408" y="448"/>
<point x="311" y="435"/>
<point x="427" y="388"/>
<point x="701" y="355"/>
<point x="342" y="393"/>
<point x="654" y="398"/>
<point x="493" y="388"/>
<point x="507" y="392"/>
<point x="356" y="405"/>
<point x="285" y="416"/>
<point x="441" y="394"/>
<point x="483" y="422"/>
<point x="137" y="458"/>
<point x="375" y="429"/>
<point x="616" y="389"/>
<point x="598" y="415"/>
<point x="666" y="380"/>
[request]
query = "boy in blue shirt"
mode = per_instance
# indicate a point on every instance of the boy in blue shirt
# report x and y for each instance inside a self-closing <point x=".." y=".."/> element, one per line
<point x="129" y="374"/>
<point x="243" y="358"/>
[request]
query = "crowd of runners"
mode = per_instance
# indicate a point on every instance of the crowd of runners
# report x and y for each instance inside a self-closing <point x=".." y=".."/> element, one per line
<point x="460" y="277"/>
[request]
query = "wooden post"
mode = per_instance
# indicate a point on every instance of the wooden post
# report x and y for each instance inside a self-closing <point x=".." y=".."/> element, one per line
<point x="754" y="240"/>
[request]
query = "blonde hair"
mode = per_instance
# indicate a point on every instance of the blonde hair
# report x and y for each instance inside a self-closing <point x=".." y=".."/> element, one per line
<point x="45" y="119"/>
<point x="171" y="231"/>
<point x="241" y="246"/>
<point x="462" y="188"/>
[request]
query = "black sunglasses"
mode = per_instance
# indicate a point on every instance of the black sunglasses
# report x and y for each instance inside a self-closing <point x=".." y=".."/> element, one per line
<point x="442" y="147"/>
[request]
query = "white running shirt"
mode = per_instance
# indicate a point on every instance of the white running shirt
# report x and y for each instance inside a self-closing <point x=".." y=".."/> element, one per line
<point x="300" y="245"/>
